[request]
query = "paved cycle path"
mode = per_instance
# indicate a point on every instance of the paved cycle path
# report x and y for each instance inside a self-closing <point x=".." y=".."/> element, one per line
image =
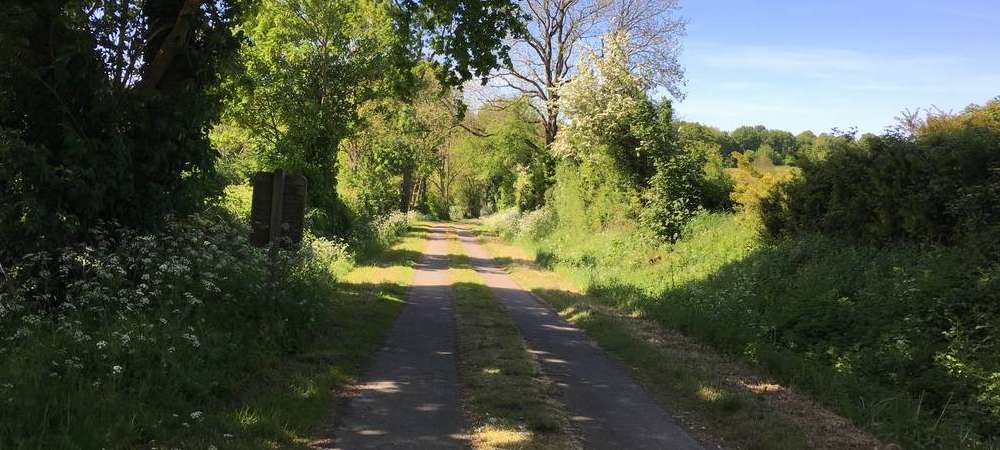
<point x="606" y="405"/>
<point x="409" y="398"/>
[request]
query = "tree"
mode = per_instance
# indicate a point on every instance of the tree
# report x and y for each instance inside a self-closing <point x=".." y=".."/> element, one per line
<point x="107" y="107"/>
<point x="314" y="64"/>
<point x="782" y="142"/>
<point x="626" y="146"/>
<point x="545" y="56"/>
<point x="697" y="132"/>
<point x="400" y="145"/>
<point x="501" y="166"/>
<point x="746" y="138"/>
<point x="466" y="37"/>
<point x="609" y="111"/>
<point x="311" y="66"/>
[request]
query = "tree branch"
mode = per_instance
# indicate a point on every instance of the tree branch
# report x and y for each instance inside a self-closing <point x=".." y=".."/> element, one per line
<point x="172" y="46"/>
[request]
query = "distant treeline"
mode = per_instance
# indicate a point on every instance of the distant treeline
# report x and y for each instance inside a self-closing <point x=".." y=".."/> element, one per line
<point x="781" y="146"/>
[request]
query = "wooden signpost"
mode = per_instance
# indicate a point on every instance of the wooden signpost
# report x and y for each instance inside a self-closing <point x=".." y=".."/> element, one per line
<point x="277" y="211"/>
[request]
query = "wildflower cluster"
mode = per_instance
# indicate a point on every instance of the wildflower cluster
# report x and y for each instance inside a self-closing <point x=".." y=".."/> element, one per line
<point x="382" y="231"/>
<point x="390" y="226"/>
<point x="510" y="223"/>
<point x="503" y="223"/>
<point x="170" y="321"/>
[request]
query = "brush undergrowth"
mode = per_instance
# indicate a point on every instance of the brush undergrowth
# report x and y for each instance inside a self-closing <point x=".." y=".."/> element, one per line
<point x="899" y="339"/>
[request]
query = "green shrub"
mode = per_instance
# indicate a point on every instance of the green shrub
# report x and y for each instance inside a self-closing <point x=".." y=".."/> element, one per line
<point x="378" y="233"/>
<point x="536" y="224"/>
<point x="926" y="187"/>
<point x="76" y="147"/>
<point x="529" y="187"/>
<point x="674" y="195"/>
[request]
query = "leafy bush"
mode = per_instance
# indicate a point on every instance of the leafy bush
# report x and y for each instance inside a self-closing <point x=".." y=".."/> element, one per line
<point x="237" y="200"/>
<point x="529" y="187"/>
<point x="674" y="195"/>
<point x="925" y="187"/>
<point x="77" y="144"/>
<point x="389" y="227"/>
<point x="755" y="180"/>
<point x="331" y="254"/>
<point x="511" y="224"/>
<point x="715" y="184"/>
<point x="380" y="232"/>
<point x="633" y="161"/>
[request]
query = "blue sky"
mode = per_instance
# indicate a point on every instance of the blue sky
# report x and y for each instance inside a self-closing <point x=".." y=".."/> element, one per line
<point x="809" y="64"/>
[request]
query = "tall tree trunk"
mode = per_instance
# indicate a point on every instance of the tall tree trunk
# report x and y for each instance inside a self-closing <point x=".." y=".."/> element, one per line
<point x="551" y="124"/>
<point x="422" y="196"/>
<point x="406" y="190"/>
<point x="169" y="27"/>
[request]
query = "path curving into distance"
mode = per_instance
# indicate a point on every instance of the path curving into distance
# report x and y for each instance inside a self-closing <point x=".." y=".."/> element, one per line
<point x="410" y="398"/>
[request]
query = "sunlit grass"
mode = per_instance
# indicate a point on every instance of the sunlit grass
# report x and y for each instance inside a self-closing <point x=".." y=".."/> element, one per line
<point x="509" y="401"/>
<point x="496" y="437"/>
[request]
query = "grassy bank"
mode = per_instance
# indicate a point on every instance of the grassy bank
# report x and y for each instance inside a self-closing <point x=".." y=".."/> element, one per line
<point x="720" y="401"/>
<point x="186" y="338"/>
<point x="878" y="334"/>
<point x="508" y="399"/>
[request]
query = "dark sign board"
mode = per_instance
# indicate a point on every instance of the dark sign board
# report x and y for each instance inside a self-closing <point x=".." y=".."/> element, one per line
<point x="277" y="211"/>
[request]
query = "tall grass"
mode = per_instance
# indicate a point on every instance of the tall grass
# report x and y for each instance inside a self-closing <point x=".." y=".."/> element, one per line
<point x="899" y="339"/>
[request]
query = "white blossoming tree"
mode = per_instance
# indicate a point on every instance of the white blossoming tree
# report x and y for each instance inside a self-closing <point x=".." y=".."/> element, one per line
<point x="608" y="113"/>
<point x="624" y="144"/>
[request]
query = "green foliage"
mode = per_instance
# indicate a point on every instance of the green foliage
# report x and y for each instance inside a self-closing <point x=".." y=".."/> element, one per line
<point x="375" y="178"/>
<point x="626" y="148"/>
<point x="754" y="179"/>
<point x="311" y="67"/>
<point x="467" y="35"/>
<point x="320" y="72"/>
<point x="780" y="144"/>
<point x="781" y="147"/>
<point x="714" y="184"/>
<point x="391" y="158"/>
<point x="926" y="187"/>
<point x="529" y="187"/>
<point x="80" y="141"/>
<point x="611" y="118"/>
<point x="381" y="232"/>
<point x="504" y="223"/>
<point x="511" y="224"/>
<point x="901" y="340"/>
<point x="504" y="164"/>
<point x="674" y="195"/>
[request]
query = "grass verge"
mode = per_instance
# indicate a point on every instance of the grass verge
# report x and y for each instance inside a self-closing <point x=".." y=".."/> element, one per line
<point x="721" y="401"/>
<point x="509" y="400"/>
